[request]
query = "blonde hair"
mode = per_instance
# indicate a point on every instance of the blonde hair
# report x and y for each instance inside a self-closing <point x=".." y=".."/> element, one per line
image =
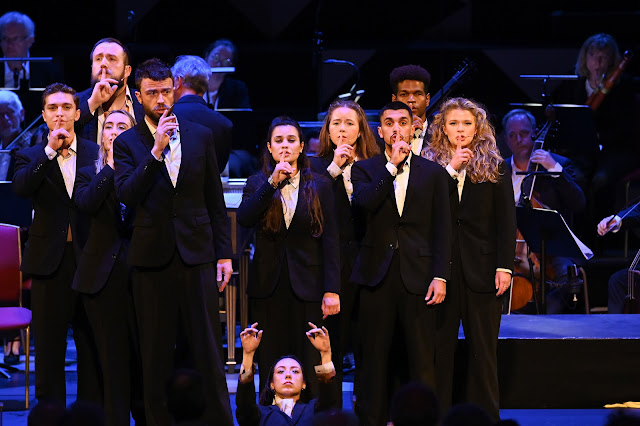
<point x="483" y="166"/>
<point x="101" y="161"/>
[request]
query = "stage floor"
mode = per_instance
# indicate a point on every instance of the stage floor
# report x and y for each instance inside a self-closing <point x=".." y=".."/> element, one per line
<point x="516" y="331"/>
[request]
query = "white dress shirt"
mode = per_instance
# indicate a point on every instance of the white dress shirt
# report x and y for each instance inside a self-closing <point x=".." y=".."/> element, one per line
<point x="172" y="154"/>
<point x="401" y="181"/>
<point x="67" y="165"/>
<point x="335" y="171"/>
<point x="289" y="196"/>
<point x="8" y="75"/>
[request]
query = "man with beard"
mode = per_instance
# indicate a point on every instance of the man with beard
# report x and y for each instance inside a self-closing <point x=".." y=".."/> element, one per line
<point x="166" y="169"/>
<point x="110" y="70"/>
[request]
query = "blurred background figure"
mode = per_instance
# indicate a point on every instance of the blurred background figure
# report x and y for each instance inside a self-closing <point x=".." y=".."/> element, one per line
<point x="225" y="92"/>
<point x="11" y="122"/>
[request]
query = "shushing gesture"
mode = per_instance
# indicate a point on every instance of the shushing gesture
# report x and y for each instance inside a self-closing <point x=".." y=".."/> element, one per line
<point x="399" y="150"/>
<point x="461" y="157"/>
<point x="343" y="154"/>
<point x="103" y="90"/>
<point x="167" y="125"/>
<point x="283" y="169"/>
<point x="59" y="138"/>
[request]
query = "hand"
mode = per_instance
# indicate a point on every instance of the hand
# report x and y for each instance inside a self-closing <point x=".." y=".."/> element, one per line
<point x="166" y="127"/>
<point x="250" y="338"/>
<point x="460" y="157"/>
<point x="319" y="338"/>
<point x="343" y="154"/>
<point x="59" y="138"/>
<point x="436" y="292"/>
<point x="608" y="224"/>
<point x="102" y="91"/>
<point x="282" y="171"/>
<point x="417" y="124"/>
<point x="330" y="304"/>
<point x="400" y="150"/>
<point x="503" y="281"/>
<point x="223" y="273"/>
<point x="544" y="158"/>
<point x="110" y="158"/>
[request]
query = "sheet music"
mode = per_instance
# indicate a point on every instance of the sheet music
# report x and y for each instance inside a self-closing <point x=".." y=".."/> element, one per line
<point x="586" y="251"/>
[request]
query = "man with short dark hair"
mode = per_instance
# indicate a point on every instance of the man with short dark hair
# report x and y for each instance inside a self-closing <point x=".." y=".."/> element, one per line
<point x="46" y="174"/>
<point x="410" y="84"/>
<point x="166" y="169"/>
<point x="110" y="71"/>
<point x="403" y="263"/>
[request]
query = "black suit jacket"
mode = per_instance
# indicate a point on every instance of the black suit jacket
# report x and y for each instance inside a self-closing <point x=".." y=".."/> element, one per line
<point x="95" y="195"/>
<point x="87" y="124"/>
<point x="41" y="180"/>
<point x="190" y="218"/>
<point x="350" y="218"/>
<point x="314" y="266"/>
<point x="559" y="193"/>
<point x="422" y="235"/>
<point x="484" y="229"/>
<point x="194" y="108"/>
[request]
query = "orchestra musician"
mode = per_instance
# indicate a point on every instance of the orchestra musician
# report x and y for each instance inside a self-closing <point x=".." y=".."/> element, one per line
<point x="462" y="140"/>
<point x="556" y="192"/>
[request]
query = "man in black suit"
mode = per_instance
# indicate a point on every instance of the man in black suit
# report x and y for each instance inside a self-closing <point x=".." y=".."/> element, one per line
<point x="166" y="169"/>
<point x="557" y="192"/>
<point x="403" y="263"/>
<point x="110" y="71"/>
<point x="46" y="174"/>
<point x="191" y="76"/>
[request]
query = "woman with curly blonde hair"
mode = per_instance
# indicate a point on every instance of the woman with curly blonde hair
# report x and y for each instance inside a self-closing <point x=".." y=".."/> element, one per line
<point x="484" y="234"/>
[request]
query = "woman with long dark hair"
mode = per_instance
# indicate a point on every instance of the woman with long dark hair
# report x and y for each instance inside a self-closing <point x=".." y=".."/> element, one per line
<point x="294" y="276"/>
<point x="484" y="234"/>
<point x="284" y="398"/>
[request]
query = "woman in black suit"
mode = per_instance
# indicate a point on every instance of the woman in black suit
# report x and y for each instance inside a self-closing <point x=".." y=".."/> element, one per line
<point x="484" y="234"/>
<point x="284" y="400"/>
<point x="345" y="138"/>
<point x="294" y="275"/>
<point x="102" y="276"/>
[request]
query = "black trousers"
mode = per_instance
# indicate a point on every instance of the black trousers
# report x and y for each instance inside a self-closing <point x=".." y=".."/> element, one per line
<point x="112" y="319"/>
<point x="283" y="317"/>
<point x="168" y="301"/>
<point x="480" y="314"/>
<point x="388" y="313"/>
<point x="55" y="306"/>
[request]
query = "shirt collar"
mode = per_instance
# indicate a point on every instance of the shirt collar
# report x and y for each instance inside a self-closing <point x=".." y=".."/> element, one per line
<point x="406" y="162"/>
<point x="295" y="181"/>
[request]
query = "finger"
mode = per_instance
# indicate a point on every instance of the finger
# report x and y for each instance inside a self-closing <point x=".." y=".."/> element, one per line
<point x="312" y="325"/>
<point x="104" y="74"/>
<point x="326" y="332"/>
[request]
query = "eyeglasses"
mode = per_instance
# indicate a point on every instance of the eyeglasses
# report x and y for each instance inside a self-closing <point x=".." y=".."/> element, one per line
<point x="215" y="58"/>
<point x="9" y="40"/>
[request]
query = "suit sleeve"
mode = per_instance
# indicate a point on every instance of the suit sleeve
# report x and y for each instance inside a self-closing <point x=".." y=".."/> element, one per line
<point x="31" y="168"/>
<point x="505" y="211"/>
<point x="85" y="114"/>
<point x="247" y="411"/>
<point x="133" y="181"/>
<point x="217" y="206"/>
<point x="442" y="228"/>
<point x="330" y="241"/>
<point x="572" y="195"/>
<point x="370" y="192"/>
<point x="256" y="197"/>
<point x="90" y="190"/>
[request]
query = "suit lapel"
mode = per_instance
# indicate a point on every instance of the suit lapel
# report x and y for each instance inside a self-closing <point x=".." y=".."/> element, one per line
<point x="414" y="179"/>
<point x="186" y="152"/>
<point x="298" y="408"/>
<point x="148" y="141"/>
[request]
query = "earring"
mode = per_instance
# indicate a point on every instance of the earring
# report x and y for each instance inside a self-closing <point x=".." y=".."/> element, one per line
<point x="358" y="134"/>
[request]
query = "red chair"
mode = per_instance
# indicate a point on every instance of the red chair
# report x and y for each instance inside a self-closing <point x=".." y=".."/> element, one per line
<point x="13" y="317"/>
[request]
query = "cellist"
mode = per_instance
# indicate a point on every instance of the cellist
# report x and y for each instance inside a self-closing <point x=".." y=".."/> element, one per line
<point x="558" y="192"/>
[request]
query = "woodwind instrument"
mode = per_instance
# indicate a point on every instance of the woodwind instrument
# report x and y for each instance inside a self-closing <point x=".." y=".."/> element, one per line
<point x="596" y="98"/>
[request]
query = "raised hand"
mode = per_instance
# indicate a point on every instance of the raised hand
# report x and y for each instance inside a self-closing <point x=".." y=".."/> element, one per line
<point x="343" y="154"/>
<point x="283" y="169"/>
<point x="400" y="149"/>
<point x="319" y="338"/>
<point x="103" y="90"/>
<point x="59" y="138"/>
<point x="167" y="125"/>
<point x="250" y="338"/>
<point x="460" y="157"/>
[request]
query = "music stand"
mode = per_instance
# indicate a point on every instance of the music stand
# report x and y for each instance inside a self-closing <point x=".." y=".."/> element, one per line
<point x="546" y="232"/>
<point x="31" y="97"/>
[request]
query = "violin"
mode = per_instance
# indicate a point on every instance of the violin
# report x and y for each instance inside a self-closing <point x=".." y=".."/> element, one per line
<point x="526" y="263"/>
<point x="596" y="98"/>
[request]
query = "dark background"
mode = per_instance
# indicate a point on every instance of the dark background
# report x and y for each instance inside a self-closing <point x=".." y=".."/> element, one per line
<point x="281" y="43"/>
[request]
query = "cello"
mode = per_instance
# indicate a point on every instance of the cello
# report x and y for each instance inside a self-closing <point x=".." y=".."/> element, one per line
<point x="527" y="264"/>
